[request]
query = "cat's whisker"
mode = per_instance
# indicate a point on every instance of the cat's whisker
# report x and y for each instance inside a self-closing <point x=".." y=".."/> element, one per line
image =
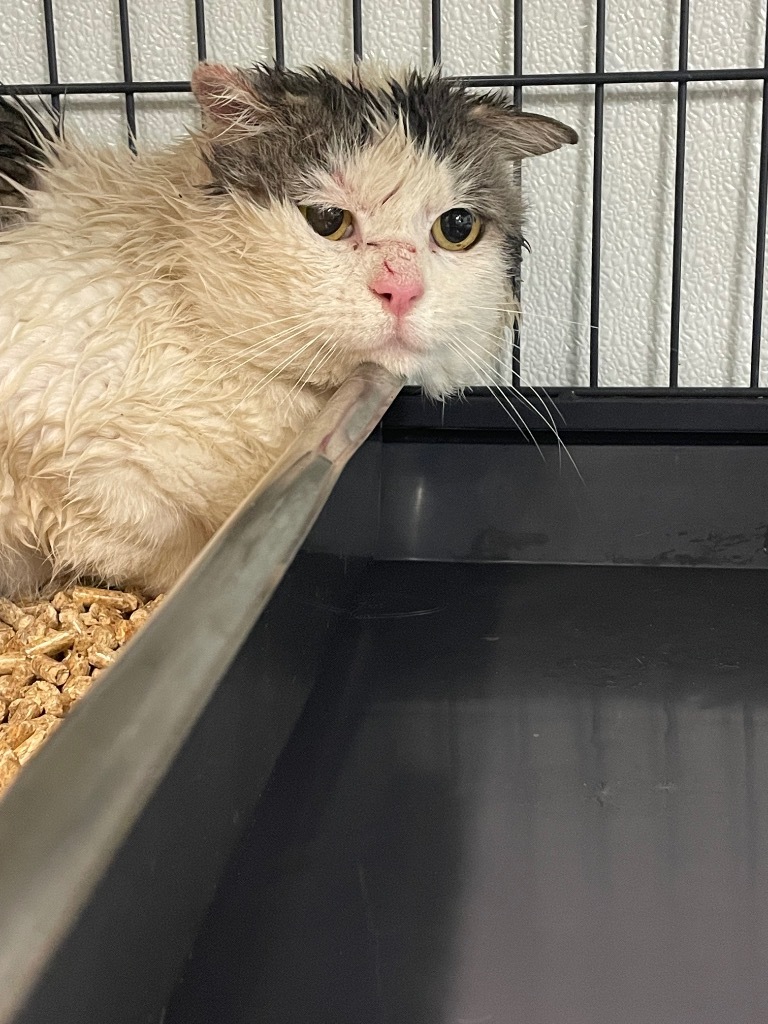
<point x="255" y="327"/>
<point x="295" y="391"/>
<point x="245" y="358"/>
<point x="545" y="416"/>
<point x="543" y="398"/>
<point x="540" y="393"/>
<point x="547" y="419"/>
<point x="186" y="396"/>
<point x="269" y="377"/>
<point x="194" y="353"/>
<point x="520" y="317"/>
<point x="247" y="355"/>
<point x="328" y="347"/>
<point x="526" y="314"/>
<point x="504" y="401"/>
<point x="562" y="447"/>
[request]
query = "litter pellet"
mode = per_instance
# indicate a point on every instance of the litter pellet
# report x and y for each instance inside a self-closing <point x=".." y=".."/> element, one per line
<point x="100" y="656"/>
<point x="52" y="645"/>
<point x="51" y="655"/>
<point x="23" y="674"/>
<point x="30" y="746"/>
<point x="23" y="709"/>
<point x="8" y="662"/>
<point x="9" y="766"/>
<point x="17" y="732"/>
<point x="43" y="612"/>
<point x="10" y="613"/>
<point x="77" y="664"/>
<point x="117" y="599"/>
<point x="48" y="669"/>
<point x="77" y="686"/>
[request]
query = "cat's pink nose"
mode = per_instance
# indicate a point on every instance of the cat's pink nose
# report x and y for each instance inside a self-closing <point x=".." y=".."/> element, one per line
<point x="398" y="293"/>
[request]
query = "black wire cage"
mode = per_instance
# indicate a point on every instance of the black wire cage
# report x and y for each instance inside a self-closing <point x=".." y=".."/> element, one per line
<point x="672" y="409"/>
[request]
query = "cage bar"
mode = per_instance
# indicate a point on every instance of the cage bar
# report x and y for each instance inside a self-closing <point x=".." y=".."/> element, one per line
<point x="677" y="236"/>
<point x="437" y="32"/>
<point x="279" y="33"/>
<point x="125" y="46"/>
<point x="619" y="77"/>
<point x="474" y="81"/>
<point x="597" y="202"/>
<point x="202" y="46"/>
<point x="517" y="98"/>
<point x="762" y="201"/>
<point x="50" y="49"/>
<point x="357" y="29"/>
<point x="517" y="52"/>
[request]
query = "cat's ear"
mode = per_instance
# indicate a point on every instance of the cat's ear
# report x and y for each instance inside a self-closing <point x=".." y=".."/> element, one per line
<point x="520" y="133"/>
<point x="227" y="96"/>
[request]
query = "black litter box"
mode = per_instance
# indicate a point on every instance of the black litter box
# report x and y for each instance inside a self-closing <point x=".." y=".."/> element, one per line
<point x="495" y="750"/>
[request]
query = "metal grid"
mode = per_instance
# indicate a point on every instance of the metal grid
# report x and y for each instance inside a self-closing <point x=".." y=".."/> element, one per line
<point x="599" y="79"/>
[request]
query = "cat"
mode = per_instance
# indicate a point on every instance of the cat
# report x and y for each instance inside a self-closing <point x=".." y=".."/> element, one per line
<point x="170" y="320"/>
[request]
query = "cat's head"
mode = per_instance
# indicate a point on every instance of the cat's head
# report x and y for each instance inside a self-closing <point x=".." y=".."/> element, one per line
<point x="363" y="216"/>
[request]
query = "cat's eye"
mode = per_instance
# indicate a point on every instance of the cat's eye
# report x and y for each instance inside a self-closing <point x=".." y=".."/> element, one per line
<point x="329" y="221"/>
<point x="457" y="229"/>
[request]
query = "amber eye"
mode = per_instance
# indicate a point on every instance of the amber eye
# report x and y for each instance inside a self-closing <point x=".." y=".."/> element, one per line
<point x="328" y="221"/>
<point x="456" y="229"/>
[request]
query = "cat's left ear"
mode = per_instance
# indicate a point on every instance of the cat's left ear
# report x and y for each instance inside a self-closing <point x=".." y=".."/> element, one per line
<point x="520" y="133"/>
<point x="227" y="96"/>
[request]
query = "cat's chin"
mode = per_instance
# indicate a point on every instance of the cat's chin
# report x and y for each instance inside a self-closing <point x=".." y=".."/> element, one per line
<point x="400" y="362"/>
<point x="417" y="368"/>
<point x="401" y="343"/>
<point x="401" y="355"/>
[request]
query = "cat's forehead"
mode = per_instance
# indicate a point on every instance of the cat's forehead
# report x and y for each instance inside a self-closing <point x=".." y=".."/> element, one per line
<point x="391" y="180"/>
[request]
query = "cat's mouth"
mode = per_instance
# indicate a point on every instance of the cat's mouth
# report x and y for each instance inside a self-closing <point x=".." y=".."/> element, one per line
<point x="400" y="342"/>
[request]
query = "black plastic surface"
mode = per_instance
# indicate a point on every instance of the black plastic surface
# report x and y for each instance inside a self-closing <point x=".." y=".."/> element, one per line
<point x="519" y="794"/>
<point x="649" y="505"/>
<point x="124" y="954"/>
<point x="626" y="411"/>
<point x="654" y="504"/>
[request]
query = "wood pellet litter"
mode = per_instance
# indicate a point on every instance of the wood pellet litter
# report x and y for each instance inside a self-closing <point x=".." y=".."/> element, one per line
<point x="51" y="653"/>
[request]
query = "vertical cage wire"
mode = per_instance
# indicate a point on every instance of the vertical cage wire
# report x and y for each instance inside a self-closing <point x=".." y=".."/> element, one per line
<point x="277" y="14"/>
<point x="357" y="29"/>
<point x="437" y="33"/>
<point x="125" y="46"/>
<point x="517" y="99"/>
<point x="517" y="51"/>
<point x="677" y="231"/>
<point x="202" y="47"/>
<point x="762" y="200"/>
<point x="50" y="48"/>
<point x="597" y="202"/>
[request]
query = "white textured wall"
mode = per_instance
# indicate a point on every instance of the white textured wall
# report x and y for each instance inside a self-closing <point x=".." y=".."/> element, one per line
<point x="722" y="154"/>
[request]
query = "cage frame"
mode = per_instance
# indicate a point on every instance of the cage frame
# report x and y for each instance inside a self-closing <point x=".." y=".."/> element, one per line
<point x="719" y="412"/>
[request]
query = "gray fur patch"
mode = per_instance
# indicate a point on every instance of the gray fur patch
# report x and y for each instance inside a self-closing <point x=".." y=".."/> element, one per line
<point x="21" y="129"/>
<point x="304" y="119"/>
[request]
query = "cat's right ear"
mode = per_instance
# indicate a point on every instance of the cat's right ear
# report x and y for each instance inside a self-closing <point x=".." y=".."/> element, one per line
<point x="227" y="96"/>
<point x="520" y="134"/>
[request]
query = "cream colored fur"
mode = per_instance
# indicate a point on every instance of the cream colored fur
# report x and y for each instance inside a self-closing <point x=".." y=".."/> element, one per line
<point x="159" y="346"/>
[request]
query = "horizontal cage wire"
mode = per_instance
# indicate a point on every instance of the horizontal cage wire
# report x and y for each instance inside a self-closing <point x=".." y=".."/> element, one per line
<point x="682" y="76"/>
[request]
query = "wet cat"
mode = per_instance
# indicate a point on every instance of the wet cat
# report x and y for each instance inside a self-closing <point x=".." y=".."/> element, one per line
<point x="169" y="321"/>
